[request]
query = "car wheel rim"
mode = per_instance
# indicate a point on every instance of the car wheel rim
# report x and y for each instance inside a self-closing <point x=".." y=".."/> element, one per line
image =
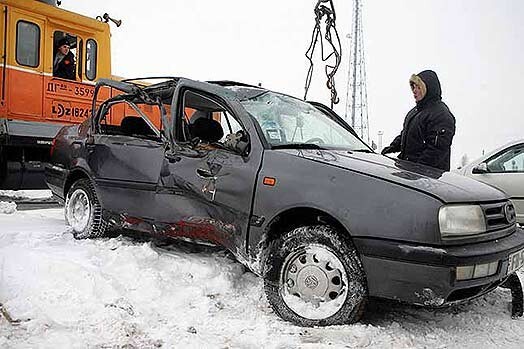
<point x="313" y="282"/>
<point x="78" y="210"/>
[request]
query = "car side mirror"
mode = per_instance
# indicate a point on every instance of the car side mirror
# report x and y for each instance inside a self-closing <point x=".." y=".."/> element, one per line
<point x="480" y="168"/>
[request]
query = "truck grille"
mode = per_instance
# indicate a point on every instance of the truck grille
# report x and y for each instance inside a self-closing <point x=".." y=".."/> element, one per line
<point x="499" y="215"/>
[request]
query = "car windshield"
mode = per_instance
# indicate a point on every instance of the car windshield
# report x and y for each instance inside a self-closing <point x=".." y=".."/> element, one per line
<point x="288" y="122"/>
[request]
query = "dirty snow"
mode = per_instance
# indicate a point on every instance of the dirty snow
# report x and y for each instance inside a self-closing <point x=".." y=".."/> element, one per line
<point x="139" y="293"/>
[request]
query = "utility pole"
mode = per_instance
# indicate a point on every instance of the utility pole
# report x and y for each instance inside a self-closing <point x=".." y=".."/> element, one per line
<point x="356" y="97"/>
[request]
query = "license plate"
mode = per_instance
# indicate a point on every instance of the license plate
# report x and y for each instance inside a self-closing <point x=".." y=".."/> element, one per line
<point x="516" y="260"/>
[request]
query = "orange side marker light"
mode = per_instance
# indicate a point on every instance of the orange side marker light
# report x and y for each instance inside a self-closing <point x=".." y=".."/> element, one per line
<point x="270" y="181"/>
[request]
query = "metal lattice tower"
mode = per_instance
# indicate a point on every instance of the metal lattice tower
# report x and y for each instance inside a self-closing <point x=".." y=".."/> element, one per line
<point x="357" y="98"/>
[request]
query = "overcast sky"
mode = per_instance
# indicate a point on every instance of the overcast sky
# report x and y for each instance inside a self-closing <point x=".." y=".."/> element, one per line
<point x="475" y="46"/>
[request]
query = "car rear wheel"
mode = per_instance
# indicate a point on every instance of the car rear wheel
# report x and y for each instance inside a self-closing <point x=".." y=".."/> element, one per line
<point x="315" y="278"/>
<point x="83" y="211"/>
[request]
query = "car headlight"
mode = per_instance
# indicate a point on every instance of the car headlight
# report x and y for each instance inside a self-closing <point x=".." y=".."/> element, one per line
<point x="458" y="220"/>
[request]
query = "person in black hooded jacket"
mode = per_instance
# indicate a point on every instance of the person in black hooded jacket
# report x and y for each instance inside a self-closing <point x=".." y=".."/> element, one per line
<point x="428" y="128"/>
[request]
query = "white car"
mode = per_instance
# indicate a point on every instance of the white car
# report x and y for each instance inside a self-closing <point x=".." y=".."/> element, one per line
<point x="502" y="168"/>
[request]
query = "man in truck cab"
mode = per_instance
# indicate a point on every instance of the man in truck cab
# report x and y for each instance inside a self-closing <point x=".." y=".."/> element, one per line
<point x="64" y="63"/>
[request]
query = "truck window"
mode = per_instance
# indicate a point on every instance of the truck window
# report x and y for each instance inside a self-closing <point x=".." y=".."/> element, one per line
<point x="64" y="55"/>
<point x="27" y="44"/>
<point x="91" y="54"/>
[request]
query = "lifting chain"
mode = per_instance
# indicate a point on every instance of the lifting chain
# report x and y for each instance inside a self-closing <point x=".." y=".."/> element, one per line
<point x="325" y="8"/>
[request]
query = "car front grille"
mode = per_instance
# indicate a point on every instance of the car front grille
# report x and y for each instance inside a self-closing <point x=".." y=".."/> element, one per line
<point x="499" y="215"/>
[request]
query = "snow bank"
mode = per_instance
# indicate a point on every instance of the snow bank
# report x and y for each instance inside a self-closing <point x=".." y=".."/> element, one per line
<point x="123" y="292"/>
<point x="25" y="194"/>
<point x="7" y="207"/>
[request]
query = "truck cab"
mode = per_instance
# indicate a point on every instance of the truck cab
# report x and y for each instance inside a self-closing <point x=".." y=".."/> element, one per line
<point x="35" y="104"/>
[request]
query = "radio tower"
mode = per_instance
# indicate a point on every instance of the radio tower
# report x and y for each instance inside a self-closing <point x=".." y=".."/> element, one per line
<point x="356" y="98"/>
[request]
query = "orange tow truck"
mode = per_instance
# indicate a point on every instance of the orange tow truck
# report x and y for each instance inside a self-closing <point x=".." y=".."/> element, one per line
<point x="34" y="104"/>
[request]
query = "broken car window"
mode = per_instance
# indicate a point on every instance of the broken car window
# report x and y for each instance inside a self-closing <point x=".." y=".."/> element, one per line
<point x="289" y="121"/>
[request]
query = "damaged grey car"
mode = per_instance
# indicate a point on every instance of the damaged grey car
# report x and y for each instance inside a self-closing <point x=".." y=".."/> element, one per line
<point x="291" y="190"/>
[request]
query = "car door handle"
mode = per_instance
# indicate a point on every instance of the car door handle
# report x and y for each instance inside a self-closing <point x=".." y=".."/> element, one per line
<point x="205" y="174"/>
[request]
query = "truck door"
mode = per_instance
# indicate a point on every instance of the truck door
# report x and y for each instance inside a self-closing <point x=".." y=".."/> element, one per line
<point x="67" y="97"/>
<point x="25" y="51"/>
<point x="206" y="187"/>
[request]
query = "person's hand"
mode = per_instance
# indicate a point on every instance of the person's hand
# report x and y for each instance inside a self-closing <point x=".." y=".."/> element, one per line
<point x="387" y="150"/>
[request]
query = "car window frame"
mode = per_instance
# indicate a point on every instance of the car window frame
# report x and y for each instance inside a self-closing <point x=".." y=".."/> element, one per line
<point x="213" y="98"/>
<point x="108" y="106"/>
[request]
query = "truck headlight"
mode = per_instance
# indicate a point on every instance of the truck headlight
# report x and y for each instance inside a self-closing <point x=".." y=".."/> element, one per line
<point x="458" y="220"/>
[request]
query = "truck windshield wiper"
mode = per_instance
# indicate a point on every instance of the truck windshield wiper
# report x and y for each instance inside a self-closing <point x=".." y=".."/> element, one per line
<point x="298" y="146"/>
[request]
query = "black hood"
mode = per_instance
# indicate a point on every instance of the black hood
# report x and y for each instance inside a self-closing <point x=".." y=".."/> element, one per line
<point x="433" y="90"/>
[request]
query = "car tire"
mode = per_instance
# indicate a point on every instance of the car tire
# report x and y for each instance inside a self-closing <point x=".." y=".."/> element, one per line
<point x="314" y="277"/>
<point x="83" y="211"/>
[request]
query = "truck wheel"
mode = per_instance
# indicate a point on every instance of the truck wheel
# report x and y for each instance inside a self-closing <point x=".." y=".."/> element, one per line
<point x="83" y="211"/>
<point x="313" y="277"/>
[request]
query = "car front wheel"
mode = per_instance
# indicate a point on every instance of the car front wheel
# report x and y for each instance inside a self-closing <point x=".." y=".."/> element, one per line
<point x="83" y="211"/>
<point x="315" y="278"/>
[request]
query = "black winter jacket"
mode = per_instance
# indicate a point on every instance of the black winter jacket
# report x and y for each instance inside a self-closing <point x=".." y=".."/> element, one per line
<point x="428" y="128"/>
<point x="66" y="67"/>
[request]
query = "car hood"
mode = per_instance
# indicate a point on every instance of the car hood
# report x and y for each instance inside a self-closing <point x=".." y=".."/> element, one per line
<point x="446" y="186"/>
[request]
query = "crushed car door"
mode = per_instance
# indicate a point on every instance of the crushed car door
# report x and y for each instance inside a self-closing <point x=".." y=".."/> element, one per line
<point x="126" y="161"/>
<point x="207" y="184"/>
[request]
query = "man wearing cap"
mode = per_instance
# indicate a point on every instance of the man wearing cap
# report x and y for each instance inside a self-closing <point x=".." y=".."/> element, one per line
<point x="428" y="128"/>
<point x="64" y="63"/>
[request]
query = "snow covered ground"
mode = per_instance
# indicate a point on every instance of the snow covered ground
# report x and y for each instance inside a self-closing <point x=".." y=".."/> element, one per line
<point x="137" y="293"/>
